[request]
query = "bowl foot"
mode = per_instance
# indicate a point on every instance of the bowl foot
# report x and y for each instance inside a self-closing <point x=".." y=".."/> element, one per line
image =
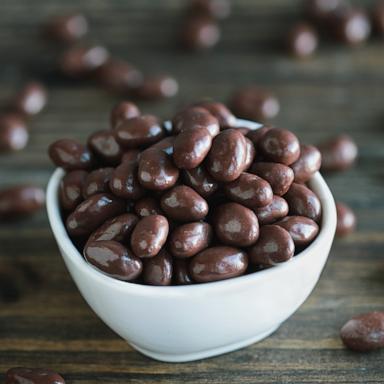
<point x="181" y="358"/>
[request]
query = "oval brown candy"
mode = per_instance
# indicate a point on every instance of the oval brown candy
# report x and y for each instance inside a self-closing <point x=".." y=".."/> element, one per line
<point x="149" y="236"/>
<point x="338" y="153"/>
<point x="279" y="176"/>
<point x="249" y="190"/>
<point x="66" y="28"/>
<point x="125" y="183"/>
<point x="113" y="259"/>
<point x="195" y="117"/>
<point x="81" y="61"/>
<point x="118" y="229"/>
<point x="14" y="135"/>
<point x="105" y="146"/>
<point x="31" y="99"/>
<point x="201" y="181"/>
<point x="275" y="245"/>
<point x="147" y="206"/>
<point x="191" y="147"/>
<point x="20" y="200"/>
<point x="349" y="25"/>
<point x="119" y="77"/>
<point x="303" y="202"/>
<point x="218" y="263"/>
<point x="280" y="145"/>
<point x="97" y="181"/>
<point x="70" y="155"/>
<point x="199" y="33"/>
<point x="139" y="131"/>
<point x="273" y="211"/>
<point x="93" y="212"/>
<point x="307" y="164"/>
<point x="70" y="190"/>
<point x="181" y="275"/>
<point x="302" y="40"/>
<point x="189" y="239"/>
<point x="21" y="375"/>
<point x="157" y="87"/>
<point x="346" y="220"/>
<point x="158" y="270"/>
<point x="224" y="116"/>
<point x="123" y="111"/>
<point x="236" y="225"/>
<point x="254" y="103"/>
<point x="156" y="170"/>
<point x="182" y="203"/>
<point x="302" y="229"/>
<point x="227" y="158"/>
<point x="364" y="332"/>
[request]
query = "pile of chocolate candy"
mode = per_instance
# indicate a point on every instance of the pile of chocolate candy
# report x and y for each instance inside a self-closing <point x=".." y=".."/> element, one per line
<point x="198" y="200"/>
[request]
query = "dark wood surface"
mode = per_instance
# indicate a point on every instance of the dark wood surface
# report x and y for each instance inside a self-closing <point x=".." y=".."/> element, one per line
<point x="340" y="90"/>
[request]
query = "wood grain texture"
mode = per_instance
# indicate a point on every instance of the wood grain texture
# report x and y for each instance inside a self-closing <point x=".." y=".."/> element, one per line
<point x="340" y="90"/>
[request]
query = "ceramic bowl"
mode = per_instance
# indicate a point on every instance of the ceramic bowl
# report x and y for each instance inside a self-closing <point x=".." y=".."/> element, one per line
<point x="185" y="323"/>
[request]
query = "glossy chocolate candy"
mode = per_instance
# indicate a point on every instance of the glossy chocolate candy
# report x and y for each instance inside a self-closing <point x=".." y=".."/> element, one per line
<point x="303" y="230"/>
<point x="182" y="203"/>
<point x="254" y="103"/>
<point x="191" y="147"/>
<point x="66" y="28"/>
<point x="139" y="131"/>
<point x="280" y="145"/>
<point x="31" y="99"/>
<point x="189" y="239"/>
<point x="228" y="155"/>
<point x="14" y="135"/>
<point x="156" y="170"/>
<point x="93" y="212"/>
<point x="118" y="229"/>
<point x="236" y="225"/>
<point x="114" y="259"/>
<point x="124" y="181"/>
<point x="195" y="117"/>
<point x="105" y="147"/>
<point x="274" y="245"/>
<point x="123" y="111"/>
<point x="279" y="176"/>
<point x="218" y="263"/>
<point x="224" y="116"/>
<point x="97" y="181"/>
<point x="157" y="87"/>
<point x="21" y="375"/>
<point x="70" y="155"/>
<point x="364" y="332"/>
<point x="20" y="200"/>
<point x="302" y="40"/>
<point x="158" y="270"/>
<point x="249" y="190"/>
<point x="338" y="153"/>
<point x="149" y="236"/>
<point x="346" y="220"/>
<point x="272" y="212"/>
<point x="119" y="76"/>
<point x="307" y="164"/>
<point x="71" y="189"/>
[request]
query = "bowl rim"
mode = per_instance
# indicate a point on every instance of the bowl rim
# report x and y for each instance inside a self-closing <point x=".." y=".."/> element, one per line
<point x="327" y="230"/>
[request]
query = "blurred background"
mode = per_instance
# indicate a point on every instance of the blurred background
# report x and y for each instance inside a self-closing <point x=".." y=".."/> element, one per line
<point x="338" y="89"/>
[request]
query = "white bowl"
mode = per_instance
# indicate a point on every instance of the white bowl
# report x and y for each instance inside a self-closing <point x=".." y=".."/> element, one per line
<point x="185" y="323"/>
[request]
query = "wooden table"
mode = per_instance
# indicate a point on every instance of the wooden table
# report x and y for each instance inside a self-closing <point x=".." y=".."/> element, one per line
<point x="340" y="90"/>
